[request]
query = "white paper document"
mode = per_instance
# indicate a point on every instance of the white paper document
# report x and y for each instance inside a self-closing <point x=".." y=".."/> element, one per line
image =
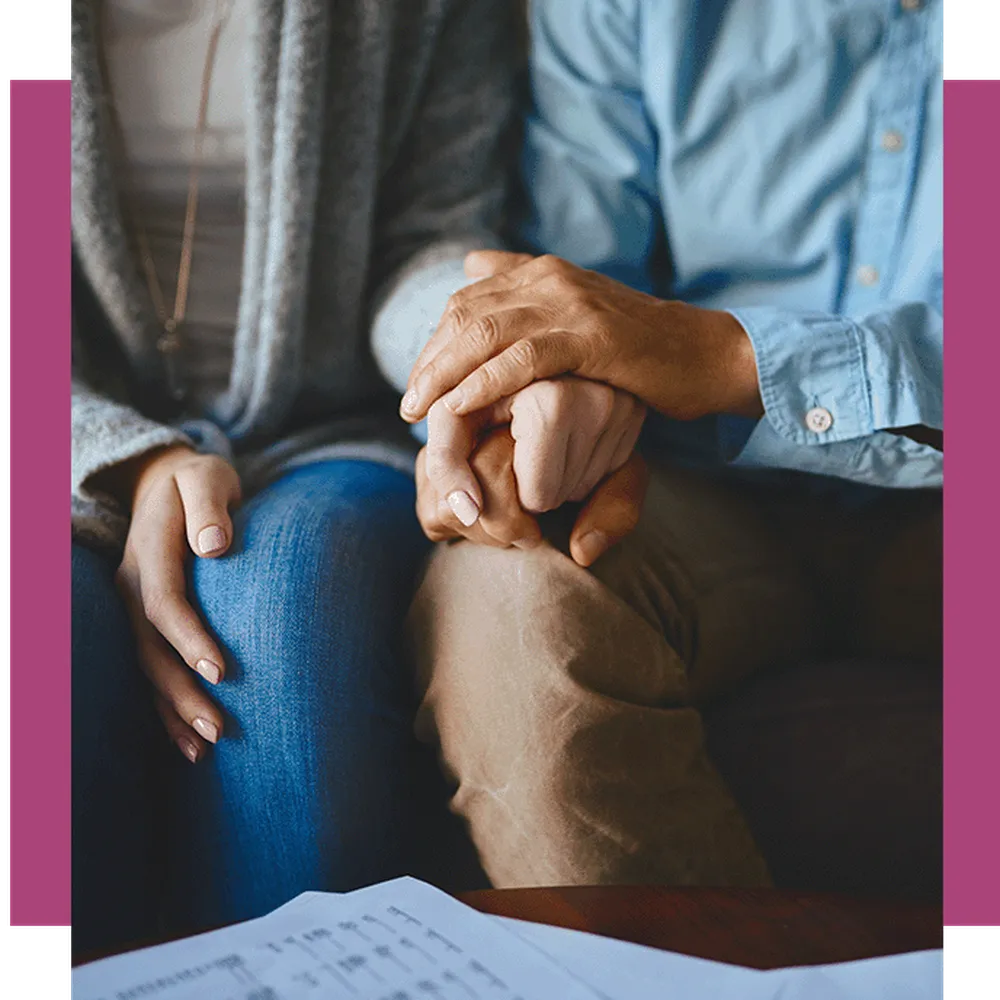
<point x="404" y="940"/>
<point x="622" y="971"/>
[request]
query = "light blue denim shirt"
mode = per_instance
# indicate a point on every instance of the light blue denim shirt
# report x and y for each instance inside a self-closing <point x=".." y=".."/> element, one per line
<point x="779" y="160"/>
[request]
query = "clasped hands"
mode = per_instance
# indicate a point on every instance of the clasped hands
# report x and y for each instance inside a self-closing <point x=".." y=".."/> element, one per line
<point x="535" y="388"/>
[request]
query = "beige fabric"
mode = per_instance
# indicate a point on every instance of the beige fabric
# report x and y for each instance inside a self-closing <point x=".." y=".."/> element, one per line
<point x="566" y="701"/>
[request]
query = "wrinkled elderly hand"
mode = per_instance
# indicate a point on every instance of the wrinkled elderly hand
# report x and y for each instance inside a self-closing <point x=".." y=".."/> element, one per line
<point x="535" y="318"/>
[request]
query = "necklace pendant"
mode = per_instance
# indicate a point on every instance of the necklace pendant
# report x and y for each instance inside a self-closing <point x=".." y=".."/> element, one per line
<point x="169" y="341"/>
<point x="169" y="345"/>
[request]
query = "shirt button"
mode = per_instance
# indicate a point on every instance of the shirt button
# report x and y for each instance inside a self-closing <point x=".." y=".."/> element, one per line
<point x="819" y="420"/>
<point x="892" y="141"/>
<point x="911" y="4"/>
<point x="867" y="275"/>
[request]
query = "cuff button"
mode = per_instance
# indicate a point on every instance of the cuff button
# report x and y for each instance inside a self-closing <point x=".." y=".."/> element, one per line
<point x="819" y="420"/>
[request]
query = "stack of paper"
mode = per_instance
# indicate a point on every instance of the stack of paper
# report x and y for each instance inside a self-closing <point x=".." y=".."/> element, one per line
<point x="404" y="940"/>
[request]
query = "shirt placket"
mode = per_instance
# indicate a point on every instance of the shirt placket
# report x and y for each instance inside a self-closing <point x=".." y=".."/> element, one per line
<point x="893" y="147"/>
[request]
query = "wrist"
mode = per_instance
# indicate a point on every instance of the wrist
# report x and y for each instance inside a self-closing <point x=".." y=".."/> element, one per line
<point x="732" y="367"/>
<point x="128" y="480"/>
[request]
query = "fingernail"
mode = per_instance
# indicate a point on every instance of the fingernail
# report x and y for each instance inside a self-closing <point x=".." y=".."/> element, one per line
<point x="592" y="545"/>
<point x="454" y="400"/>
<point x="211" y="539"/>
<point x="207" y="729"/>
<point x="463" y="507"/>
<point x="187" y="748"/>
<point x="209" y="671"/>
<point x="409" y="402"/>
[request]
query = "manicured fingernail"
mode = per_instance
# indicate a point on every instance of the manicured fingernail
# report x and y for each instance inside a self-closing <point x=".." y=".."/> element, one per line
<point x="463" y="507"/>
<point x="207" y="729"/>
<point x="211" y="539"/>
<point x="454" y="400"/>
<point x="188" y="748"/>
<point x="592" y="545"/>
<point x="409" y="403"/>
<point x="209" y="671"/>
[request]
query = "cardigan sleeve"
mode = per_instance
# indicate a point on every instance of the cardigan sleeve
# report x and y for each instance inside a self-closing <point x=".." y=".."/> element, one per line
<point x="445" y="192"/>
<point x="106" y="431"/>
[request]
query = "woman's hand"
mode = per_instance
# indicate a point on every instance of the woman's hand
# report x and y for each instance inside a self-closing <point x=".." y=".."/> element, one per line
<point x="534" y="318"/>
<point x="180" y="504"/>
<point x="611" y="512"/>
<point x="568" y="433"/>
<point x="498" y="518"/>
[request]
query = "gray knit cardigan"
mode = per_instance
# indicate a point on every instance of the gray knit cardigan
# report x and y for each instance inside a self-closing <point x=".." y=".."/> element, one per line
<point x="377" y="151"/>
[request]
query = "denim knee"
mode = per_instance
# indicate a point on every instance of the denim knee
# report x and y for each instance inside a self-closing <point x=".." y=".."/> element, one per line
<point x="311" y="785"/>
<point x="320" y="572"/>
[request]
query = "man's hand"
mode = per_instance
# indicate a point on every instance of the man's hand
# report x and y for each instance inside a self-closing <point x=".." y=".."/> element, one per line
<point x="536" y="318"/>
<point x="608" y="516"/>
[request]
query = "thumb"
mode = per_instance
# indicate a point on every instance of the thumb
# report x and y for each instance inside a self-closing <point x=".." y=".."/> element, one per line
<point x="207" y="490"/>
<point x="611" y="512"/>
<point x="451" y="440"/>
<point x="487" y="263"/>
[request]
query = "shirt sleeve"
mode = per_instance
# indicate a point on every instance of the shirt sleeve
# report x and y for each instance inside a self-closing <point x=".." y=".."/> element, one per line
<point x="833" y="386"/>
<point x="589" y="154"/>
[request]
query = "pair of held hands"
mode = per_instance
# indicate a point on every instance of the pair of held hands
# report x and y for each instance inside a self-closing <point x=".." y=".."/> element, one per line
<point x="535" y="388"/>
<point x="539" y="437"/>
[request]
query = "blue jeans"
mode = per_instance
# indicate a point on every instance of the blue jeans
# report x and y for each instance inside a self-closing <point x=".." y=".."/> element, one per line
<point x="318" y="782"/>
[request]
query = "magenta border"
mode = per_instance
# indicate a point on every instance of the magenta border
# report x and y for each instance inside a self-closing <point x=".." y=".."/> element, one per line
<point x="39" y="476"/>
<point x="972" y="506"/>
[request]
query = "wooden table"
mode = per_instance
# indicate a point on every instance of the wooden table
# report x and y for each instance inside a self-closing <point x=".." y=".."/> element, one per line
<point x="762" y="929"/>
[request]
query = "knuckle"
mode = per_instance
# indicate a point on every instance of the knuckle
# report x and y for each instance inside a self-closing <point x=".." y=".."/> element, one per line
<point x="536" y="498"/>
<point x="456" y="311"/>
<point x="487" y="380"/>
<point x="156" y="605"/>
<point x="549" y="394"/>
<point x="524" y="354"/>
<point x="600" y="400"/>
<point x="484" y="332"/>
<point x="541" y="400"/>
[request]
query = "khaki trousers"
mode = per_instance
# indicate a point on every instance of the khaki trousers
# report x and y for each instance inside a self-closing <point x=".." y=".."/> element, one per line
<point x="565" y="701"/>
